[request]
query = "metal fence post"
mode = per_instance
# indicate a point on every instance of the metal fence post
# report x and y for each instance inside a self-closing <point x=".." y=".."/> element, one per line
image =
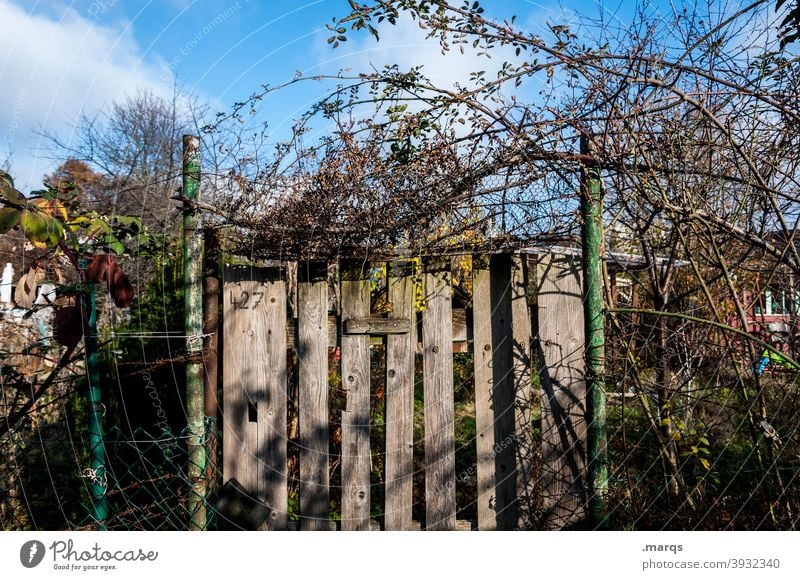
<point x="97" y="446"/>
<point x="193" y="327"/>
<point x="592" y="242"/>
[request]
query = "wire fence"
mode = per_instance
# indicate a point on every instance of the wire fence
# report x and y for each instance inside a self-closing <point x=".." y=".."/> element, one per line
<point x="703" y="433"/>
<point x="728" y="473"/>
<point x="46" y="481"/>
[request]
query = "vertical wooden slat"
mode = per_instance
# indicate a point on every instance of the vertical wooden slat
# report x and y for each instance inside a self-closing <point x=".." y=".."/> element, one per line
<point x="254" y="379"/>
<point x="400" y="349"/>
<point x="484" y="424"/>
<point x="494" y="392"/>
<point x="503" y="392"/>
<point x="355" y="417"/>
<point x="242" y="377"/>
<point x="526" y="402"/>
<point x="561" y="350"/>
<point x="272" y="414"/>
<point x="437" y="338"/>
<point x="312" y="341"/>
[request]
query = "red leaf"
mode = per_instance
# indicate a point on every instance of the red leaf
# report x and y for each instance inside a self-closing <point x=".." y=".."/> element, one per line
<point x="104" y="268"/>
<point x="121" y="289"/>
<point x="68" y="325"/>
<point x="101" y="268"/>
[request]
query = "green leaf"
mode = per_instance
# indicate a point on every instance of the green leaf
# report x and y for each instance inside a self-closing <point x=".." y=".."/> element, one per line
<point x="48" y="193"/>
<point x="40" y="228"/>
<point x="8" y="191"/>
<point x="34" y="224"/>
<point x="9" y="218"/>
<point x="116" y="247"/>
<point x="56" y="231"/>
<point x="99" y="226"/>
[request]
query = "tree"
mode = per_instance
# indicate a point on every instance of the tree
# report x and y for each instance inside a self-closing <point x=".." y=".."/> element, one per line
<point x="790" y="25"/>
<point x="131" y="155"/>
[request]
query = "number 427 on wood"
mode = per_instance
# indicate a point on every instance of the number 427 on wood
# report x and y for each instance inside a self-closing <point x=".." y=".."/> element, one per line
<point x="246" y="300"/>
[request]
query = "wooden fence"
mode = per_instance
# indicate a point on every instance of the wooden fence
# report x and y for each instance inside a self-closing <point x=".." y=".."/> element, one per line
<point x="521" y="305"/>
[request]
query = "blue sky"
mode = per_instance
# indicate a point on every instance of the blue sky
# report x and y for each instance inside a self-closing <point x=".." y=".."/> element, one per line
<point x="63" y="57"/>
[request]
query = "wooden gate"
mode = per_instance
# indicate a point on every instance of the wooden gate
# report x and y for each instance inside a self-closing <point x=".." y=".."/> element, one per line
<point x="265" y="318"/>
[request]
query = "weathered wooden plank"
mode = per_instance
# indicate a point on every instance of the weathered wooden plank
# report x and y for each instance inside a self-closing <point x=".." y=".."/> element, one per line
<point x="462" y="332"/>
<point x="331" y="334"/>
<point x="527" y="403"/>
<point x="400" y="355"/>
<point x="355" y="417"/>
<point x="313" y="395"/>
<point x="494" y="392"/>
<point x="254" y="379"/>
<point x="271" y="412"/>
<point x="484" y="423"/>
<point x="437" y="339"/>
<point x="376" y="325"/>
<point x="242" y="381"/>
<point x="503" y="392"/>
<point x="561" y="349"/>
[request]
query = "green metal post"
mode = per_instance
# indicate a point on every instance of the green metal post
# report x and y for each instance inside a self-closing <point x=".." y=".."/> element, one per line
<point x="193" y="325"/>
<point x="97" y="446"/>
<point x="592" y="242"/>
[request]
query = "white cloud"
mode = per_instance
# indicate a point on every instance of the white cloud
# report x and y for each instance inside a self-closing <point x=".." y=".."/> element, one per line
<point x="55" y="66"/>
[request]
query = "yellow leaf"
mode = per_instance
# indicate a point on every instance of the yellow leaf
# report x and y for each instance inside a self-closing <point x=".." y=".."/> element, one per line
<point x="51" y="207"/>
